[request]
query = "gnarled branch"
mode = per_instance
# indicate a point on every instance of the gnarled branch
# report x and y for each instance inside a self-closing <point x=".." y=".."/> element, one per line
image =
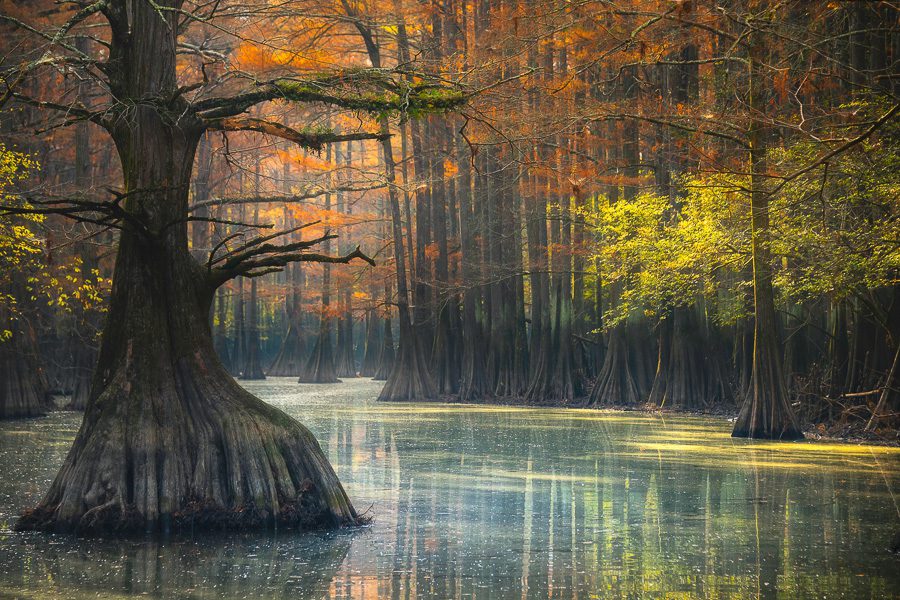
<point x="270" y="259"/>
<point x="314" y="139"/>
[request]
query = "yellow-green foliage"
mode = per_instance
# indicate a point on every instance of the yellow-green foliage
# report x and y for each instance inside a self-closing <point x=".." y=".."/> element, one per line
<point x="19" y="246"/>
<point x="838" y="229"/>
<point x="660" y="253"/>
<point x="25" y="276"/>
<point x="835" y="233"/>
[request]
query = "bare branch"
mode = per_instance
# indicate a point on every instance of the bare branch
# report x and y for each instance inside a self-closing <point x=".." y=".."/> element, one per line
<point x="275" y="260"/>
<point x="312" y="193"/>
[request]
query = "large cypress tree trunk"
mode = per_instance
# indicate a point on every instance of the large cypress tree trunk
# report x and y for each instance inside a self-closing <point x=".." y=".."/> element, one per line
<point x="169" y="439"/>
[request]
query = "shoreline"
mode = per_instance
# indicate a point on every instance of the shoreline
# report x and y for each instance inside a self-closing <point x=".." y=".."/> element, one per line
<point x="819" y="432"/>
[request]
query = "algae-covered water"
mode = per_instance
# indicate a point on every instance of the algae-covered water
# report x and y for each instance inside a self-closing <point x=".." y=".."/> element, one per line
<point x="502" y="502"/>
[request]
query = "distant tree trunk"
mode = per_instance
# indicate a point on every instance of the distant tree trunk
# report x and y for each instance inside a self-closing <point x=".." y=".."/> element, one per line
<point x="407" y="196"/>
<point x="239" y="342"/>
<point x="220" y="335"/>
<point x="23" y="388"/>
<point x="423" y="303"/>
<point x="409" y="379"/>
<point x="445" y="349"/>
<point x="169" y="440"/>
<point x="253" y="367"/>
<point x="84" y="353"/>
<point x="766" y="412"/>
<point x="689" y="373"/>
<point x="473" y="384"/>
<point x="290" y="358"/>
<point x="320" y="366"/>
<point x="617" y="382"/>
<point x="541" y="347"/>
<point x="579" y="309"/>
<point x="346" y="359"/>
<point x="386" y="355"/>
<point x="372" y="344"/>
<point x="373" y="364"/>
<point x="555" y="378"/>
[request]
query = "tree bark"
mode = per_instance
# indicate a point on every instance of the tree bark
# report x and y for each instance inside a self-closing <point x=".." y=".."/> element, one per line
<point x="766" y="412"/>
<point x="253" y="367"/>
<point x="346" y="358"/>
<point x="409" y="378"/>
<point x="169" y="440"/>
<point x="320" y="366"/>
<point x="289" y="360"/>
<point x="23" y="388"/>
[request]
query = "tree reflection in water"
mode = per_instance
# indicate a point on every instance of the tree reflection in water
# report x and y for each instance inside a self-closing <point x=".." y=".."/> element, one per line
<point x="210" y="566"/>
<point x="482" y="502"/>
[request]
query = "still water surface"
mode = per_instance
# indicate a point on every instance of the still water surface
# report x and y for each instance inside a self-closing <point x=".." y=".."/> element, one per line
<point x="500" y="502"/>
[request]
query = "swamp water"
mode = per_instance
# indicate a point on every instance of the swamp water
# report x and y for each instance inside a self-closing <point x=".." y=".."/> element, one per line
<point x="501" y="502"/>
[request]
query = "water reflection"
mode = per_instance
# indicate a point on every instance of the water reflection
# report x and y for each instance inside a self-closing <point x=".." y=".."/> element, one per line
<point x="234" y="567"/>
<point x="481" y="502"/>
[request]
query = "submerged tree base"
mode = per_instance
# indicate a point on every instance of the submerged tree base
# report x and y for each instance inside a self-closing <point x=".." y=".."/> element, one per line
<point x="195" y="451"/>
<point x="300" y="514"/>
